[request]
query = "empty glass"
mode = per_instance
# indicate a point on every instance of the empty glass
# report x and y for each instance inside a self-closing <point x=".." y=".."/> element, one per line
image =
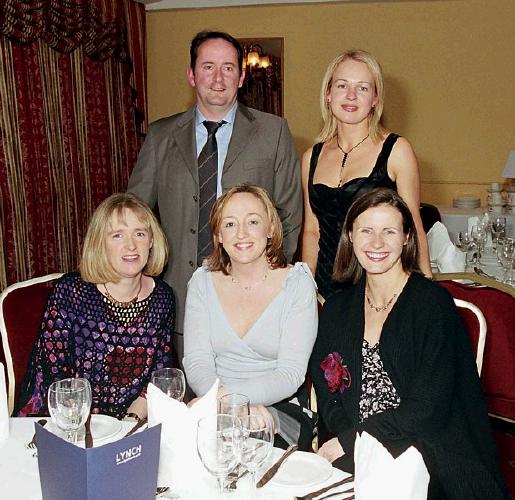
<point x="171" y="381"/>
<point x="234" y="404"/>
<point x="479" y="234"/>
<point x="506" y="256"/>
<point x="256" y="444"/>
<point x="498" y="228"/>
<point x="69" y="402"/>
<point x="218" y="445"/>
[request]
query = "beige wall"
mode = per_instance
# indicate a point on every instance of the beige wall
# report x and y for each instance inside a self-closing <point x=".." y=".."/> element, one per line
<point x="450" y="77"/>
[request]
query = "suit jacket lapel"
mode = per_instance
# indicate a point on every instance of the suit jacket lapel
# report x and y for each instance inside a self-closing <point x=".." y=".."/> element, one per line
<point x="243" y="129"/>
<point x="186" y="141"/>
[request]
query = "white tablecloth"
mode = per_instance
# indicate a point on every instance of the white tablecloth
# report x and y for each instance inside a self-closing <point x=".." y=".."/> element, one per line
<point x="19" y="476"/>
<point x="455" y="219"/>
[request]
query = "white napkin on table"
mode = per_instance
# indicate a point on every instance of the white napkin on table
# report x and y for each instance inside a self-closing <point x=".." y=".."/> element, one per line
<point x="379" y="475"/>
<point x="179" y="464"/>
<point x="443" y="252"/>
<point x="4" y="412"/>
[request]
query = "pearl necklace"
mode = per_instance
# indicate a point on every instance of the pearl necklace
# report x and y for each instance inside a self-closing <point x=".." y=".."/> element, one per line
<point x="347" y="153"/>
<point x="248" y="288"/>
<point x="120" y="303"/>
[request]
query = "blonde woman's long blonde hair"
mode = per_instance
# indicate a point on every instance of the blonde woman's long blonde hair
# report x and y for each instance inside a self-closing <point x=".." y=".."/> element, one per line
<point x="375" y="128"/>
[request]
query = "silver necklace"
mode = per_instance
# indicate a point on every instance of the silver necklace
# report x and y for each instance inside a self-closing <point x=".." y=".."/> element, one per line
<point x="248" y="288"/>
<point x="347" y="153"/>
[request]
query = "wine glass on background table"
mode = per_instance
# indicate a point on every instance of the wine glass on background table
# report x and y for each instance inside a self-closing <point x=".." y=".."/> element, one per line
<point x="256" y="444"/>
<point x="498" y="228"/>
<point x="171" y="381"/>
<point x="506" y="256"/>
<point x="218" y="445"/>
<point x="69" y="403"/>
<point x="478" y="234"/>
<point x="234" y="404"/>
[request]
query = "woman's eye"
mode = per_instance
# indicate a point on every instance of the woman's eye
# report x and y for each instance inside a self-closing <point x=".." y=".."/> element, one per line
<point x="254" y="221"/>
<point x="364" y="89"/>
<point x="229" y="224"/>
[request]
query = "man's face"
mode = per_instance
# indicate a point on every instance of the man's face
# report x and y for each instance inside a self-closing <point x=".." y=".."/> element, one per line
<point x="216" y="77"/>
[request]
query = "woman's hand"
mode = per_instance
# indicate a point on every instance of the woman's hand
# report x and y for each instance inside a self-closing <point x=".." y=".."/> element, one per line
<point x="261" y="411"/>
<point x="331" y="450"/>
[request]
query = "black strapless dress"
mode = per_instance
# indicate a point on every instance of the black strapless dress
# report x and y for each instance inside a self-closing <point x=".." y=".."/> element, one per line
<point x="330" y="205"/>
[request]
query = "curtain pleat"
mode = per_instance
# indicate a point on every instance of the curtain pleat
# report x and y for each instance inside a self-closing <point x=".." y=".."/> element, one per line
<point x="72" y="118"/>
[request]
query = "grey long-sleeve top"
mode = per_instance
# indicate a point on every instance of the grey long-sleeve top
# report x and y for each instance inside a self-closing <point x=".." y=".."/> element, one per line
<point x="269" y="363"/>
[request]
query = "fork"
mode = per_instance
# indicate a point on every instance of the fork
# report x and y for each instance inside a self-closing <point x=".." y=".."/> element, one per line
<point x="31" y="445"/>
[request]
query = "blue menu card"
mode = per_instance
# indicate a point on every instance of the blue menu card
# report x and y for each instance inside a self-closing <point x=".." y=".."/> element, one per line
<point x="123" y="470"/>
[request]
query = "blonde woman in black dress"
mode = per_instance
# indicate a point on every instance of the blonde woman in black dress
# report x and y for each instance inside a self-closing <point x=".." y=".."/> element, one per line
<point x="353" y="155"/>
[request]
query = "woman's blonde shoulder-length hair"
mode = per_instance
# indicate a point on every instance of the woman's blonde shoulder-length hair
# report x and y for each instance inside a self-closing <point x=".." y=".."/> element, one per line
<point x="219" y="260"/>
<point x="375" y="128"/>
<point x="94" y="265"/>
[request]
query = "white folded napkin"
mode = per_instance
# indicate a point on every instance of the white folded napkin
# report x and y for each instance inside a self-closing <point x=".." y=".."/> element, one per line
<point x="471" y="222"/>
<point x="443" y="252"/>
<point x="379" y="475"/>
<point x="4" y="412"/>
<point x="179" y="464"/>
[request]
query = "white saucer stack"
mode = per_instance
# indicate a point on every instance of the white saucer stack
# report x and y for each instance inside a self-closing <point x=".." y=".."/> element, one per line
<point x="466" y="202"/>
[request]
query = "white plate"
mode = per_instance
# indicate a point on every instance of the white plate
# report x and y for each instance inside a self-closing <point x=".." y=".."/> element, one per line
<point x="302" y="469"/>
<point x="103" y="427"/>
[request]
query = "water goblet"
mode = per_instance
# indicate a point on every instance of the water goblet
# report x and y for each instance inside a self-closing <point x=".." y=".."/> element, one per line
<point x="171" y="381"/>
<point x="69" y="403"/>
<point x="507" y="259"/>
<point x="234" y="404"/>
<point x="256" y="444"/>
<point x="478" y="235"/>
<point x="218" y="445"/>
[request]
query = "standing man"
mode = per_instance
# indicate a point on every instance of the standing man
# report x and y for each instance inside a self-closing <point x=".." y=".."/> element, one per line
<point x="191" y="158"/>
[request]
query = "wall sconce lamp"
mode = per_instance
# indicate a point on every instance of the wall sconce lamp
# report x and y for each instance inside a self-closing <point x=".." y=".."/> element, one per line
<point x="255" y="57"/>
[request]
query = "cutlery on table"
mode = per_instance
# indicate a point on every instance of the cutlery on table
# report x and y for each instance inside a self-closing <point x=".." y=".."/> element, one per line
<point x="31" y="445"/>
<point x="337" y="493"/>
<point x="139" y="424"/>
<point x="321" y="491"/>
<point x="270" y="473"/>
<point x="161" y="489"/>
<point x="88" y="437"/>
<point x="479" y="271"/>
<point x="235" y="476"/>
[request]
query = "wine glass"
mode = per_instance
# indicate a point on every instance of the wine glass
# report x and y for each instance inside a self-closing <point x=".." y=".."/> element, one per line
<point x="218" y="445"/>
<point x="498" y="228"/>
<point x="256" y="444"/>
<point x="478" y="235"/>
<point x="234" y="404"/>
<point x="463" y="240"/>
<point x="69" y="402"/>
<point x="171" y="381"/>
<point x="507" y="258"/>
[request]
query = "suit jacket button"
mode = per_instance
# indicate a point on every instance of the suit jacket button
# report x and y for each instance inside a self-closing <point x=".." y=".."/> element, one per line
<point x="191" y="263"/>
<point x="195" y="197"/>
<point x="193" y="231"/>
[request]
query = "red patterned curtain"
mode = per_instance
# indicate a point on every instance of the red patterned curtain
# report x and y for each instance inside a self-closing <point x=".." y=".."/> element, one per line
<point x="72" y="117"/>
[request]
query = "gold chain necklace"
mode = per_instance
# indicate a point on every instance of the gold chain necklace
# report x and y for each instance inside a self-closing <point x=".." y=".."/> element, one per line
<point x="248" y="288"/>
<point x="380" y="308"/>
<point x="119" y="303"/>
<point x="347" y="153"/>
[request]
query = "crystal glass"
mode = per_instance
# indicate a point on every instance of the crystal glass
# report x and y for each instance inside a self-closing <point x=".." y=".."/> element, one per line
<point x="69" y="403"/>
<point x="256" y="444"/>
<point x="463" y="240"/>
<point x="478" y="234"/>
<point x="498" y="228"/>
<point x="218" y="445"/>
<point x="507" y="258"/>
<point x="234" y="404"/>
<point x="171" y="381"/>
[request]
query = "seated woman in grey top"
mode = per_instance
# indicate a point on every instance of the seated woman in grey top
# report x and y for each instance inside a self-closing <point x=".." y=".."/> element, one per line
<point x="251" y="319"/>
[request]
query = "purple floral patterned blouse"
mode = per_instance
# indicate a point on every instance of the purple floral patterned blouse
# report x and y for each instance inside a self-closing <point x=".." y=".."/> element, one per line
<point x="84" y="335"/>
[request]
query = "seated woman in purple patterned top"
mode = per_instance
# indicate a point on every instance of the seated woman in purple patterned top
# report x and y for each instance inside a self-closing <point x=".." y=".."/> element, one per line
<point x="113" y="322"/>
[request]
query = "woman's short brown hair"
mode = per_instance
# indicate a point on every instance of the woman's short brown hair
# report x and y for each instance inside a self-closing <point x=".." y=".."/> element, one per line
<point x="219" y="260"/>
<point x="94" y="265"/>
<point x="346" y="266"/>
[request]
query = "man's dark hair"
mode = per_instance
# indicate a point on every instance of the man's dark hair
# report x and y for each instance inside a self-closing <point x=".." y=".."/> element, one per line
<point x="204" y="36"/>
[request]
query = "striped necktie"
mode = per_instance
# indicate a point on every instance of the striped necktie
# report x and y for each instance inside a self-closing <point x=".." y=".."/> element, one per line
<point x="207" y="177"/>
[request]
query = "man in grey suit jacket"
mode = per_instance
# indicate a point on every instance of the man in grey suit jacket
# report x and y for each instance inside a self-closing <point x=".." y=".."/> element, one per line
<point x="253" y="147"/>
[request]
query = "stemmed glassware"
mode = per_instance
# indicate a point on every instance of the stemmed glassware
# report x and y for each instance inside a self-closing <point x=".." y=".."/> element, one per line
<point x="498" y="228"/>
<point x="218" y="445"/>
<point x="234" y="404"/>
<point x="256" y="445"/>
<point x="478" y="234"/>
<point x="69" y="403"/>
<point x="171" y="381"/>
<point x="507" y="258"/>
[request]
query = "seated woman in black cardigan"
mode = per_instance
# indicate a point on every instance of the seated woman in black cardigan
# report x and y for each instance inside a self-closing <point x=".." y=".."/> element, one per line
<point x="392" y="358"/>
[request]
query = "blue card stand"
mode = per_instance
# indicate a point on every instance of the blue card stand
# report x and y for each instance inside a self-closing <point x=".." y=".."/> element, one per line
<point x="123" y="470"/>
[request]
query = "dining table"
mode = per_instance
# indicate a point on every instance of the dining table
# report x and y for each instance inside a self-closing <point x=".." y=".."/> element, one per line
<point x="19" y="474"/>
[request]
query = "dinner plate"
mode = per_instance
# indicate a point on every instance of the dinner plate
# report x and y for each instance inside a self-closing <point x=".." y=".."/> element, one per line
<point x="302" y="469"/>
<point x="469" y="282"/>
<point x="103" y="427"/>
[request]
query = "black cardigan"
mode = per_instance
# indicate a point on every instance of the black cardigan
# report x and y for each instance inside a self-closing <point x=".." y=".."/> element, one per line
<point x="427" y="355"/>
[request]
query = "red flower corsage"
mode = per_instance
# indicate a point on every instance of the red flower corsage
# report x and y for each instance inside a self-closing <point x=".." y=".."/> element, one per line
<point x="336" y="373"/>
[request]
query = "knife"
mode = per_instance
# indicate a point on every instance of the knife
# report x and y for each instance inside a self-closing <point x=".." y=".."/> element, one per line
<point x="270" y="473"/>
<point x="139" y="424"/>
<point x="88" y="438"/>
<point x="321" y="491"/>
